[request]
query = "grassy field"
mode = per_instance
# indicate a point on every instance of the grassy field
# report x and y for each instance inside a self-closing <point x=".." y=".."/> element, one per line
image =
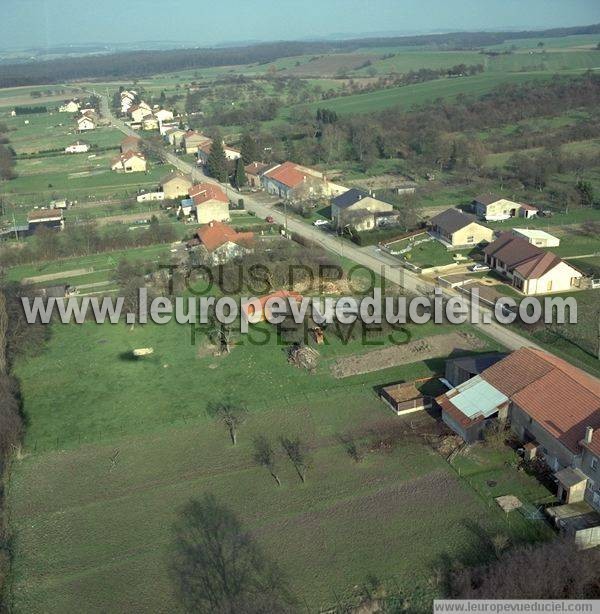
<point x="94" y="535"/>
<point x="420" y="93"/>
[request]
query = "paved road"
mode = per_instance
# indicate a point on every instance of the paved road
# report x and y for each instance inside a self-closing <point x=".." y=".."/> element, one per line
<point x="380" y="262"/>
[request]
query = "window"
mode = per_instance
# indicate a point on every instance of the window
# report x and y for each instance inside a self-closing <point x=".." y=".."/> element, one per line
<point x="594" y="464"/>
<point x="471" y="239"/>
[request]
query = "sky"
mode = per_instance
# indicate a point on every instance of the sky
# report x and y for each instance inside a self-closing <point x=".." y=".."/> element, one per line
<point x="42" y="23"/>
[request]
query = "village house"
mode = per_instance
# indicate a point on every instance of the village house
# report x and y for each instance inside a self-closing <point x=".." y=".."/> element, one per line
<point x="127" y="99"/>
<point x="85" y="123"/>
<point x="130" y="162"/>
<point x="254" y="172"/>
<point x="150" y="123"/>
<point x="162" y="115"/>
<point x="294" y="181"/>
<point x="528" y="268"/>
<point x="456" y="229"/>
<point x="211" y="203"/>
<point x="174" y="137"/>
<point x="221" y="243"/>
<point x="139" y="111"/>
<point x="553" y="409"/>
<point x="175" y="185"/>
<point x="77" y="147"/>
<point x="205" y="148"/>
<point x="192" y="140"/>
<point x="130" y="143"/>
<point x="45" y="218"/>
<point x="358" y="209"/>
<point x="539" y="238"/>
<point x="493" y="207"/>
<point x="72" y="106"/>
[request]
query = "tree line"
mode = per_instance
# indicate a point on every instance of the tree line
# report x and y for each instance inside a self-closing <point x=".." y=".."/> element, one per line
<point x="143" y="63"/>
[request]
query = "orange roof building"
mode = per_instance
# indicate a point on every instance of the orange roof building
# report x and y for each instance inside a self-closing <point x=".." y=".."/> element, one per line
<point x="212" y="204"/>
<point x="216" y="234"/>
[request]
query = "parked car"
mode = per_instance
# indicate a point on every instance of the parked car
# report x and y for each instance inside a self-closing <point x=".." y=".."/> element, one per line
<point x="320" y="223"/>
<point x="269" y="219"/>
<point x="547" y="213"/>
<point x="479" y="268"/>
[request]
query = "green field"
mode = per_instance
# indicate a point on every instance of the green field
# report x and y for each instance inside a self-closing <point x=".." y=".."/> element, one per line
<point x="421" y="93"/>
<point x="93" y="537"/>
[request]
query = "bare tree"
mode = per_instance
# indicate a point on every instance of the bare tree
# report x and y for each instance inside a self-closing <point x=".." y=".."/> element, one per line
<point x="265" y="456"/>
<point x="232" y="413"/>
<point x="554" y="570"/>
<point x="3" y="333"/>
<point x="219" y="569"/>
<point x="297" y="452"/>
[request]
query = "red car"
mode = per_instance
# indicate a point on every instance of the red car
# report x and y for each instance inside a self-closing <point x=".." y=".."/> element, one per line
<point x="270" y="219"/>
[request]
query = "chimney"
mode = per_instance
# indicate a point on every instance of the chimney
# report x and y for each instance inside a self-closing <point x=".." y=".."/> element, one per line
<point x="589" y="433"/>
<point x="211" y="224"/>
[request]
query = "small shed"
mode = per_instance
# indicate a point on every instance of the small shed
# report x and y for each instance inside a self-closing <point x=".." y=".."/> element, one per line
<point x="404" y="398"/>
<point x="578" y="521"/>
<point x="571" y="485"/>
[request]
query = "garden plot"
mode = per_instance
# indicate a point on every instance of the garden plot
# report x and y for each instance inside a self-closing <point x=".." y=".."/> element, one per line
<point x="422" y="349"/>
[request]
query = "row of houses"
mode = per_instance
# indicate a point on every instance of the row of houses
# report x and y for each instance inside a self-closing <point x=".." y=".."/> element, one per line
<point x="142" y="115"/>
<point x="552" y="408"/>
<point x="518" y="256"/>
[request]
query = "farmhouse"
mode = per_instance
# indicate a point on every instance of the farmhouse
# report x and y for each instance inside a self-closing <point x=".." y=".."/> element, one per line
<point x="528" y="268"/>
<point x="493" y="207"/>
<point x="85" y="123"/>
<point x="130" y="143"/>
<point x="358" y="209"/>
<point x="45" y="218"/>
<point x="554" y="410"/>
<point x="211" y="203"/>
<point x="293" y="181"/>
<point x="77" y="147"/>
<point x="221" y="243"/>
<point x="175" y="185"/>
<point x="456" y="229"/>
<point x="72" y="106"/>
<point x="130" y="162"/>
<point x="192" y="140"/>
<point x="539" y="238"/>
<point x="254" y="172"/>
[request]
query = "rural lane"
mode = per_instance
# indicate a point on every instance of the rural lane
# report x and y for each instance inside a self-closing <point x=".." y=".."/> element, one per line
<point x="379" y="262"/>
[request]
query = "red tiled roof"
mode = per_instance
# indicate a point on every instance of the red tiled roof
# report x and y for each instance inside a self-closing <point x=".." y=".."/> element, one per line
<point x="289" y="174"/>
<point x="563" y="399"/>
<point x="249" y="308"/>
<point x="215" y="234"/>
<point x="528" y="207"/>
<point x="204" y="192"/>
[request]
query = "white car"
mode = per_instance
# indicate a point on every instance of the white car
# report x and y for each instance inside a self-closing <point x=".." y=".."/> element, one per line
<point x="478" y="268"/>
<point x="320" y="223"/>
